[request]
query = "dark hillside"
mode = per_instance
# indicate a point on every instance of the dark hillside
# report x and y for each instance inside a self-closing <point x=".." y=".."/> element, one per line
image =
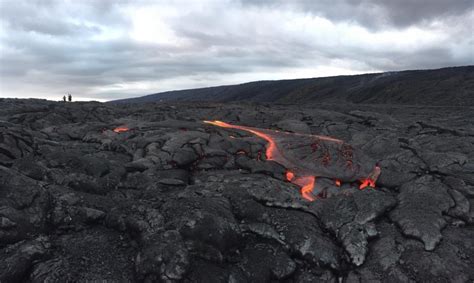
<point x="447" y="86"/>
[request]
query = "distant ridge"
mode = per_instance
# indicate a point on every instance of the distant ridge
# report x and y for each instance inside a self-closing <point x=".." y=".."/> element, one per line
<point x="446" y="86"/>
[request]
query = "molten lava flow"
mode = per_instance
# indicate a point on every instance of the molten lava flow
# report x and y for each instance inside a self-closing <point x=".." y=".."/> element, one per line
<point x="271" y="149"/>
<point x="121" y="129"/>
<point x="366" y="182"/>
<point x="290" y="175"/>
<point x="306" y="157"/>
<point x="305" y="182"/>
<point x="370" y="180"/>
<point x="307" y="186"/>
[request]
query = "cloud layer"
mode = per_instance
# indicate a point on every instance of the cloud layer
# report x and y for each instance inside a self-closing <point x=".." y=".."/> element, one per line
<point x="113" y="49"/>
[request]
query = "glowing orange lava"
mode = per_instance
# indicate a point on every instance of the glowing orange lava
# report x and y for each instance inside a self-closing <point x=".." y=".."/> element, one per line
<point x="370" y="180"/>
<point x="306" y="183"/>
<point x="121" y="129"/>
<point x="271" y="148"/>
<point x="338" y="182"/>
<point x="290" y="175"/>
<point x="307" y="186"/>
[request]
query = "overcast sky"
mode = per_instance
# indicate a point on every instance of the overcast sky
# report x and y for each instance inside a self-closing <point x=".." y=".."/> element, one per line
<point x="105" y="50"/>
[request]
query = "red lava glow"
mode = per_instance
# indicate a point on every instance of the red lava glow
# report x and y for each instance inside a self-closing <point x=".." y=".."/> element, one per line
<point x="307" y="186"/>
<point x="271" y="148"/>
<point x="370" y="180"/>
<point x="121" y="129"/>
<point x="365" y="183"/>
<point x="338" y="182"/>
<point x="290" y="175"/>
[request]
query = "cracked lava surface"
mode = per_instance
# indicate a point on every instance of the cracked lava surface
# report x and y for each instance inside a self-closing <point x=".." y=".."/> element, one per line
<point x="150" y="193"/>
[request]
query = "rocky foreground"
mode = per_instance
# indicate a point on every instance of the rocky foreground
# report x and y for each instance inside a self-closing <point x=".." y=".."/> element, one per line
<point x="174" y="199"/>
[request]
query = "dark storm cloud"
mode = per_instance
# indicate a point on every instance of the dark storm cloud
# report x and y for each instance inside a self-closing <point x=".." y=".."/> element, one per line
<point x="409" y="12"/>
<point x="112" y="49"/>
<point x="376" y="13"/>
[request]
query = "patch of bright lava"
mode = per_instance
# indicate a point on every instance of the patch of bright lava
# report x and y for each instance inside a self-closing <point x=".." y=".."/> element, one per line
<point x="121" y="129"/>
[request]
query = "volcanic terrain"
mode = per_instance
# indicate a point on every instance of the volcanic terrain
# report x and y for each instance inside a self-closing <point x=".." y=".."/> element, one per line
<point x="446" y="86"/>
<point x="150" y="192"/>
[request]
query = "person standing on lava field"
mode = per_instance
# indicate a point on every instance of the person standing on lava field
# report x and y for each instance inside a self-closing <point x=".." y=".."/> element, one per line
<point x="64" y="98"/>
<point x="69" y="97"/>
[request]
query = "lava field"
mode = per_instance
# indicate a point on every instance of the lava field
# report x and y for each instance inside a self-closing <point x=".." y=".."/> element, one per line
<point x="260" y="192"/>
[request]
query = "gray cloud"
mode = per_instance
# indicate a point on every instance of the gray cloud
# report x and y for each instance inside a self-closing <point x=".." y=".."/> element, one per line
<point x="98" y="49"/>
<point x="376" y="13"/>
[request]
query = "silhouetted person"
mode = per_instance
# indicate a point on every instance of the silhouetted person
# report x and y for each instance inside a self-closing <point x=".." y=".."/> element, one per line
<point x="64" y="98"/>
<point x="69" y="97"/>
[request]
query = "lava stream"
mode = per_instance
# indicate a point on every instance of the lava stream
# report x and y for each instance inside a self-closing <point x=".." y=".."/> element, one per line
<point x="306" y="183"/>
<point x="121" y="129"/>
<point x="271" y="149"/>
<point x="370" y="180"/>
<point x="307" y="186"/>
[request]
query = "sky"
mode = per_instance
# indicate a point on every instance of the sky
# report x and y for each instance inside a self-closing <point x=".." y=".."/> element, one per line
<point x="104" y="50"/>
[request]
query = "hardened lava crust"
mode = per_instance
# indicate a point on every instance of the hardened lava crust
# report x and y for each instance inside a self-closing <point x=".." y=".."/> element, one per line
<point x="151" y="193"/>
